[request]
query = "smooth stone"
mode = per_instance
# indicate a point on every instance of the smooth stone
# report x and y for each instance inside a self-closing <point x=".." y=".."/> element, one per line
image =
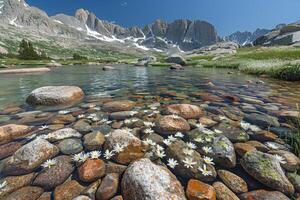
<point x="133" y="147"/>
<point x="108" y="187"/>
<point x="54" y="95"/>
<point x="186" y="111"/>
<point x="45" y="196"/>
<point x="91" y="170"/>
<point x="82" y="197"/>
<point x="9" y="149"/>
<point x="115" y="168"/>
<point x="292" y="161"/>
<point x="25" y="193"/>
<point x="117" y="106"/>
<point x="14" y="183"/>
<point x="223" y="192"/>
<point x="233" y="182"/>
<point x="121" y="115"/>
<point x="263" y="195"/>
<point x="170" y="124"/>
<point x="93" y="141"/>
<point x="83" y="126"/>
<point x="264" y="136"/>
<point x="197" y="190"/>
<point x="263" y="121"/>
<point x="232" y="133"/>
<point x="175" y="151"/>
<point x="90" y="191"/>
<point x="10" y="132"/>
<point x="29" y="157"/>
<point x="266" y="169"/>
<point x="258" y="146"/>
<point x="62" y="119"/>
<point x="63" y="134"/>
<point x="177" y="59"/>
<point x="243" y="148"/>
<point x="143" y="180"/>
<point x="70" y="146"/>
<point x="207" y="122"/>
<point x="51" y="177"/>
<point x="68" y="190"/>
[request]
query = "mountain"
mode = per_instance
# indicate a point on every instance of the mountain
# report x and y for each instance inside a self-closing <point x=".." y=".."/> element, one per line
<point x="86" y="28"/>
<point x="246" y="37"/>
<point x="282" y="35"/>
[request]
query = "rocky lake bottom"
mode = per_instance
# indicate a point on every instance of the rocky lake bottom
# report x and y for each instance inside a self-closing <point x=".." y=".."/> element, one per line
<point x="147" y="133"/>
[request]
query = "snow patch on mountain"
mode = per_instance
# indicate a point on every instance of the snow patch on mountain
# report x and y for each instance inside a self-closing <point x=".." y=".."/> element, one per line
<point x="101" y="37"/>
<point x="13" y="23"/>
<point x="141" y="47"/>
<point x="57" y="21"/>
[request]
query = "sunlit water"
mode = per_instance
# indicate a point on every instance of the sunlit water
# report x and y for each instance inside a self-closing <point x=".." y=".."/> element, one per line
<point x="127" y="80"/>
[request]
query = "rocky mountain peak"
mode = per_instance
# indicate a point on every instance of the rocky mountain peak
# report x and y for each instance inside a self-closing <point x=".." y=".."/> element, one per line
<point x="82" y="15"/>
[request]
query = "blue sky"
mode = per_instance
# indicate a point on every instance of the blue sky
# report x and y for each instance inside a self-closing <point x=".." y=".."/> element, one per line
<point x="227" y="15"/>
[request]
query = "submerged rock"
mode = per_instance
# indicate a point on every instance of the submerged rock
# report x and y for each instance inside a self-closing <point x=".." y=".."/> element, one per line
<point x="10" y="132"/>
<point x="262" y="120"/>
<point x="171" y="124"/>
<point x="187" y="111"/>
<point x="63" y="134"/>
<point x="117" y="106"/>
<point x="266" y="169"/>
<point x="54" y="95"/>
<point x="91" y="170"/>
<point x="234" y="134"/>
<point x="177" y="59"/>
<point x="68" y="190"/>
<point x="143" y="180"/>
<point x="108" y="187"/>
<point x="29" y="157"/>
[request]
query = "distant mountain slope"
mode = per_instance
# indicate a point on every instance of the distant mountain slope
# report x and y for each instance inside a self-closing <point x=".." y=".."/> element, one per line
<point x="86" y="26"/>
<point x="282" y="35"/>
<point x="246" y="37"/>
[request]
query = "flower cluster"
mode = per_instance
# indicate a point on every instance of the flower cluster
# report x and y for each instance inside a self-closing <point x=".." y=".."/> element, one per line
<point x="49" y="163"/>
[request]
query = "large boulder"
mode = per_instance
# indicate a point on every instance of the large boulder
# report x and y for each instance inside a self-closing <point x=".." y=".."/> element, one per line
<point x="171" y="124"/>
<point x="29" y="157"/>
<point x="177" y="59"/>
<point x="10" y="132"/>
<point x="133" y="147"/>
<point x="55" y="95"/>
<point x="266" y="169"/>
<point x="143" y="180"/>
<point x="186" y="111"/>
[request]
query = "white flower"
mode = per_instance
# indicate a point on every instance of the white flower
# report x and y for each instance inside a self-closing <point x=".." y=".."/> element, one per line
<point x="119" y="148"/>
<point x="91" y="116"/>
<point x="127" y="121"/>
<point x="80" y="157"/>
<point x="104" y="120"/>
<point x="172" y="139"/>
<point x="95" y="154"/>
<point x="200" y="126"/>
<point x="208" y="139"/>
<point x="205" y="171"/>
<point x="149" y="142"/>
<point x="160" y="153"/>
<point x="132" y="113"/>
<point x="156" y="112"/>
<point x="198" y="139"/>
<point x="208" y="160"/>
<point x="149" y="124"/>
<point x="145" y="111"/>
<point x="254" y="128"/>
<point x="49" y="163"/>
<point x="272" y="145"/>
<point x="80" y="116"/>
<point x="160" y="148"/>
<point x="108" y="154"/>
<point x="188" y="152"/>
<point x="153" y="108"/>
<point x="188" y="162"/>
<point x="191" y="145"/>
<point x="172" y="163"/>
<point x="207" y="149"/>
<point x="95" y="119"/>
<point x="207" y="131"/>
<point x="175" y="116"/>
<point x="148" y="131"/>
<point x="179" y="135"/>
<point x="280" y="159"/>
<point x="97" y="108"/>
<point x="3" y="185"/>
<point x="63" y="112"/>
<point x="218" y="131"/>
<point x="167" y="142"/>
<point x="44" y="127"/>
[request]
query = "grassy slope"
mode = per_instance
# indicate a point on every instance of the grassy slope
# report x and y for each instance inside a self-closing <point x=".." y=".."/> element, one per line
<point x="281" y="63"/>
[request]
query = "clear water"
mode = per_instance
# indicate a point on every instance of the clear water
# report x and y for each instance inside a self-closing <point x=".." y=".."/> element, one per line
<point x="127" y="80"/>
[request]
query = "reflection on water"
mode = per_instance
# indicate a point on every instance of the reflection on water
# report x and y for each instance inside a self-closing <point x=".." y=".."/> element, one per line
<point x="132" y="80"/>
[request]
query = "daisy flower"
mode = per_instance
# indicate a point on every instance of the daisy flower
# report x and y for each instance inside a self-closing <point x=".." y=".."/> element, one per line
<point x="205" y="171"/>
<point x="149" y="142"/>
<point x="207" y="149"/>
<point x="160" y="148"/>
<point x="189" y="163"/>
<point x="132" y="113"/>
<point x="160" y="153"/>
<point x="44" y="127"/>
<point x="95" y="154"/>
<point x="200" y="126"/>
<point x="148" y="131"/>
<point x="272" y="145"/>
<point x="119" y="148"/>
<point x="80" y="116"/>
<point x="198" y="139"/>
<point x="172" y="163"/>
<point x="80" y="157"/>
<point x="167" y="142"/>
<point x="218" y="131"/>
<point x="208" y="160"/>
<point x="280" y="159"/>
<point x="175" y="116"/>
<point x="149" y="124"/>
<point x="172" y="138"/>
<point x="191" y="145"/>
<point x="179" y="135"/>
<point x="188" y="152"/>
<point x="108" y="154"/>
<point x="49" y="163"/>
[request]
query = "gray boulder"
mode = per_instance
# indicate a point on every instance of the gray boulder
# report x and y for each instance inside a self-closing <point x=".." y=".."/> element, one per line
<point x="177" y="59"/>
